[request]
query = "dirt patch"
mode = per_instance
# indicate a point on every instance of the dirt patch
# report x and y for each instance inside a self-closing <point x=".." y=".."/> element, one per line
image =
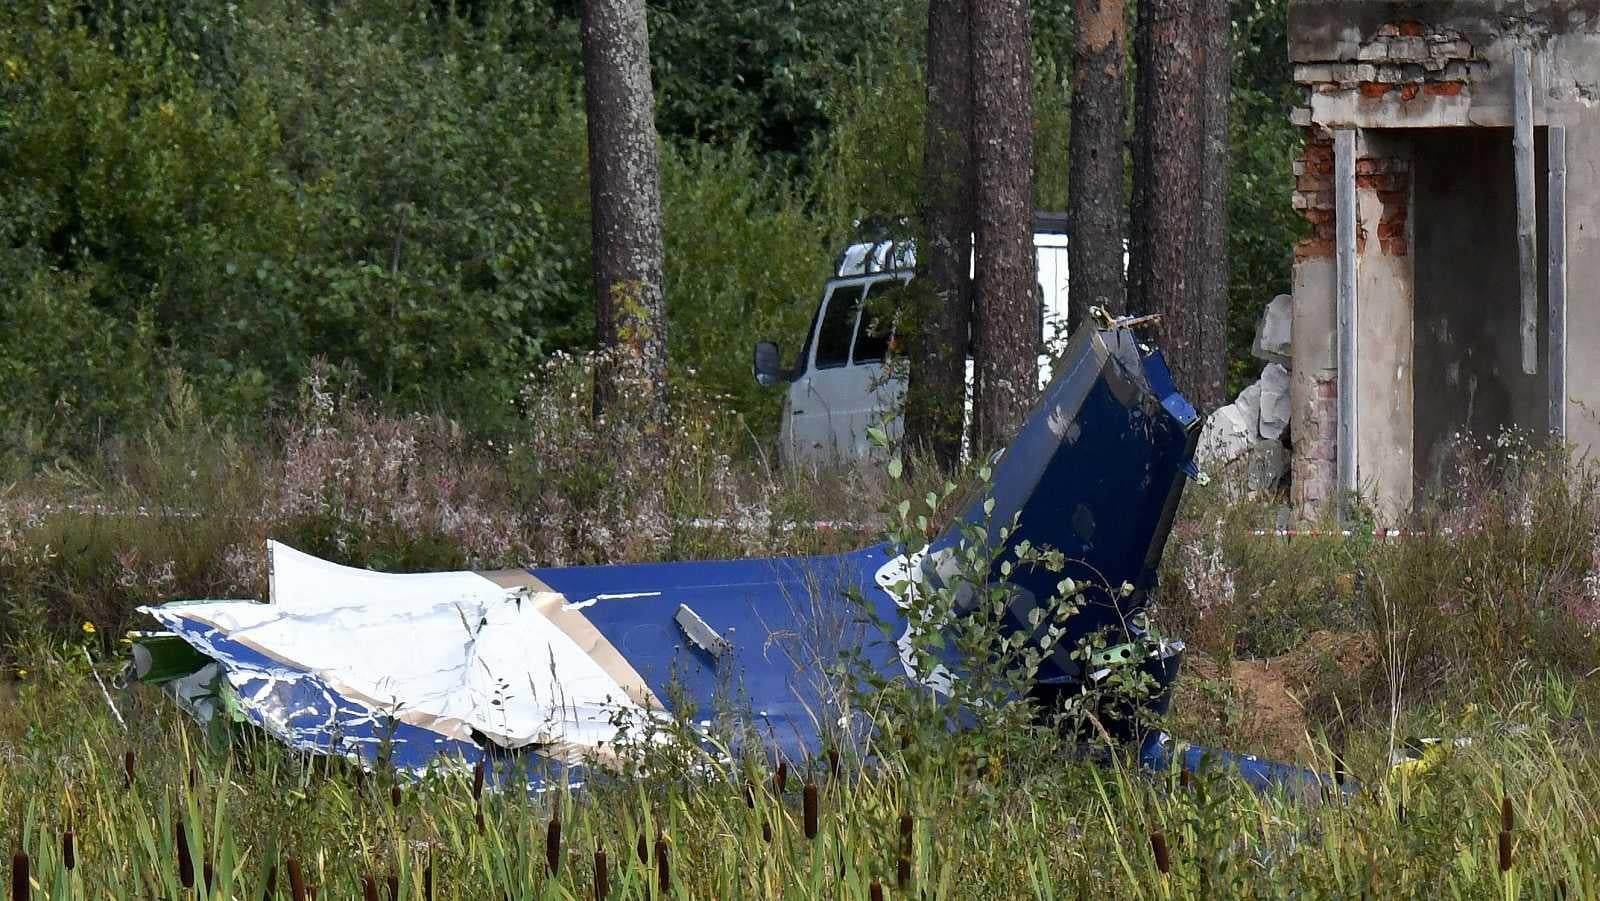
<point x="1259" y="706"/>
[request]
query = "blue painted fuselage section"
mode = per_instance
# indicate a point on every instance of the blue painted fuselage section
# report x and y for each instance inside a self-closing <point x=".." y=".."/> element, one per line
<point x="786" y="621"/>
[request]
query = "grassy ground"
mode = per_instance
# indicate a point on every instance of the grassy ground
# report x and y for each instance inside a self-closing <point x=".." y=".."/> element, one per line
<point x="1479" y="632"/>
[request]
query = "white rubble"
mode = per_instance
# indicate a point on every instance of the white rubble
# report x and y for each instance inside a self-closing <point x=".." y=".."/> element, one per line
<point x="1227" y="436"/>
<point x="1274" y="331"/>
<point x="1266" y="465"/>
<point x="1274" y="385"/>
<point x="1254" y="426"/>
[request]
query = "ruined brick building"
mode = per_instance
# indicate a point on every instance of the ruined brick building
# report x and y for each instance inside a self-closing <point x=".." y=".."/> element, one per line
<point x="1451" y="281"/>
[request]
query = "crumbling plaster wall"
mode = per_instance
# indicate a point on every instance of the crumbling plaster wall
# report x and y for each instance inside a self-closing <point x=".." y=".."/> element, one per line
<point x="1384" y="324"/>
<point x="1377" y="65"/>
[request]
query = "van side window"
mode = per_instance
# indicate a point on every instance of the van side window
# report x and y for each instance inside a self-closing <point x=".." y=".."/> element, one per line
<point x="838" y="322"/>
<point x="872" y="336"/>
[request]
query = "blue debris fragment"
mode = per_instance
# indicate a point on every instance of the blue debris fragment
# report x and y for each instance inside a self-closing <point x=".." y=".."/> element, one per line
<point x="1096" y="472"/>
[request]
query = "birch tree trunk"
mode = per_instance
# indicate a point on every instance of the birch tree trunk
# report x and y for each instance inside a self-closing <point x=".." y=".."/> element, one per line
<point x="1007" y="308"/>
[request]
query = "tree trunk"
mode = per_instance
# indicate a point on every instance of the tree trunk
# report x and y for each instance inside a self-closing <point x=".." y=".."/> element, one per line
<point x="625" y="200"/>
<point x="1216" y="71"/>
<point x="1140" y="158"/>
<point x="1170" y="267"/>
<point x="1094" y="177"/>
<point x="1007" y="317"/>
<point x="942" y="306"/>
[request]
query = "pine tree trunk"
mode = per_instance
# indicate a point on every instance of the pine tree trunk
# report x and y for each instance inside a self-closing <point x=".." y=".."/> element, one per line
<point x="1007" y="318"/>
<point x="941" y="316"/>
<point x="1140" y="159"/>
<point x="1170" y="265"/>
<point x="1094" y="178"/>
<point x="625" y="200"/>
<point x="1212" y="310"/>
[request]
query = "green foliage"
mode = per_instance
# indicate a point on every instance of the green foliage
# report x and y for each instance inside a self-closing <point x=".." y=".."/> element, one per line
<point x="728" y="69"/>
<point x="398" y="187"/>
<point x="1263" y="227"/>
<point x="319" y="186"/>
<point x="745" y="263"/>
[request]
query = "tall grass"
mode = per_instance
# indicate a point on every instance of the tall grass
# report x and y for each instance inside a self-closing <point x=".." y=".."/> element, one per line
<point x="1479" y="630"/>
<point x="1045" y="824"/>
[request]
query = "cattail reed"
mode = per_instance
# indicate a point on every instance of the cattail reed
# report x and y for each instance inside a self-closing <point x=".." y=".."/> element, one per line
<point x="127" y="769"/>
<point x="369" y="888"/>
<point x="21" y="890"/>
<point x="663" y="867"/>
<point x="1508" y="817"/>
<point x="810" y="806"/>
<point x="902" y="875"/>
<point x="907" y="827"/>
<point x="552" y="844"/>
<point x="1158" y="846"/>
<point x="749" y="794"/>
<point x="478" y="818"/>
<point x="394" y="795"/>
<point x="208" y="875"/>
<point x="427" y="879"/>
<point x="833" y="762"/>
<point x="602" y="879"/>
<point x="185" y="862"/>
<point x="477" y="781"/>
<point x="394" y="886"/>
<point x="781" y="777"/>
<point x="643" y="849"/>
<point x="270" y="892"/>
<point x="876" y="892"/>
<point x="1505" y="850"/>
<point x="297" y="880"/>
<point x="766" y="832"/>
<point x="69" y="849"/>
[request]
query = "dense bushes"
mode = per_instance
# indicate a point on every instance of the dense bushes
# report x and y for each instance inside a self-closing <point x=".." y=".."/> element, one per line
<point x="400" y="193"/>
<point x="398" y="186"/>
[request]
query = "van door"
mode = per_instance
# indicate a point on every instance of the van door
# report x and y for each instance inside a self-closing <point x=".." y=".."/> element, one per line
<point x="846" y="385"/>
<point x="881" y="377"/>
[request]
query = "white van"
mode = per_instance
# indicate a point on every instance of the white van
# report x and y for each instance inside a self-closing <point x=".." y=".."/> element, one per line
<point x="842" y="383"/>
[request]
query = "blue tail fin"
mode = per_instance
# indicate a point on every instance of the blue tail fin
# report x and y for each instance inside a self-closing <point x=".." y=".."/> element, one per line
<point x="1096" y="473"/>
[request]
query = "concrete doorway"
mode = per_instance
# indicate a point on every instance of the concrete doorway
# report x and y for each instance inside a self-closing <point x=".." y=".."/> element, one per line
<point x="1469" y="384"/>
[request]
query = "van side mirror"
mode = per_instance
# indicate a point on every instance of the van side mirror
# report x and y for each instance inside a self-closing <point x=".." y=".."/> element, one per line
<point x="766" y="366"/>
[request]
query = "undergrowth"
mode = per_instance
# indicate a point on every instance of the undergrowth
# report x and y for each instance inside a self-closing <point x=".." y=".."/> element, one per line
<point x="1476" y="628"/>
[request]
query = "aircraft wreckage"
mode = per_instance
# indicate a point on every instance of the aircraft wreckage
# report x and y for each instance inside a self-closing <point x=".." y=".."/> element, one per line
<point x="550" y="664"/>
